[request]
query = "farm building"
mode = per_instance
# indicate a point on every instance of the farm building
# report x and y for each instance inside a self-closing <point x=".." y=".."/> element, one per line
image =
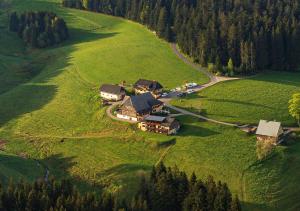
<point x="135" y="108"/>
<point x="269" y="131"/>
<point x="143" y="86"/>
<point x="112" y="92"/>
<point x="158" y="124"/>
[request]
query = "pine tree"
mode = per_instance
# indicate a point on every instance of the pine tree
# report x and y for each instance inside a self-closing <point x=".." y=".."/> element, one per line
<point x="235" y="205"/>
<point x="162" y="23"/>
<point x="14" y="22"/>
<point x="230" y="67"/>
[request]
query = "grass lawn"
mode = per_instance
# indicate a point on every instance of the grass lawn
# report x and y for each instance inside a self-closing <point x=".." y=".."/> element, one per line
<point x="247" y="101"/>
<point x="50" y="111"/>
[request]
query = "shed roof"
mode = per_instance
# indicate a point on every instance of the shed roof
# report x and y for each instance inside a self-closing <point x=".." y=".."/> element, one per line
<point x="155" y="118"/>
<point x="112" y="89"/>
<point x="269" y="128"/>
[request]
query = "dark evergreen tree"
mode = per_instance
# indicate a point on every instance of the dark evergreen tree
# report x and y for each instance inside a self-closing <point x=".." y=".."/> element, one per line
<point x="40" y="29"/>
<point x="255" y="34"/>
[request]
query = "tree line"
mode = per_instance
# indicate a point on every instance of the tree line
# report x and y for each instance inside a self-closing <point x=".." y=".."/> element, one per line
<point x="251" y="35"/>
<point x="167" y="189"/>
<point x="39" y="29"/>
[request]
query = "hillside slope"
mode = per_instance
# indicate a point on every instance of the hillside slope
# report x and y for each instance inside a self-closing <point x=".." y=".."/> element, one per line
<point x="51" y="112"/>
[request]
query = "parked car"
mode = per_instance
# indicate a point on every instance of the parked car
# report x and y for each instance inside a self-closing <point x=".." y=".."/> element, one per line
<point x="164" y="94"/>
<point x="190" y="91"/>
<point x="182" y="94"/>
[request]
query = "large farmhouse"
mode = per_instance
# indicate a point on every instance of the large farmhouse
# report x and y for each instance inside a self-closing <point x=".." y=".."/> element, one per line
<point x="143" y="86"/>
<point x="269" y="131"/>
<point x="135" y="108"/>
<point x="158" y="124"/>
<point x="112" y="92"/>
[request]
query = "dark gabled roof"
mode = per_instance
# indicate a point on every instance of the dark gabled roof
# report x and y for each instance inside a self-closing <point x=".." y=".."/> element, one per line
<point x="113" y="89"/>
<point x="142" y="103"/>
<point x="150" y="85"/>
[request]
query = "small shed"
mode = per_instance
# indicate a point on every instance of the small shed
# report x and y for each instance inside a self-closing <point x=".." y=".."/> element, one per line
<point x="269" y="131"/>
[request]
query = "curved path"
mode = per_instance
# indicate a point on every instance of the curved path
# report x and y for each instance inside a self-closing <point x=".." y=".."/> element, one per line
<point x="211" y="76"/>
<point x="213" y="79"/>
<point x="185" y="112"/>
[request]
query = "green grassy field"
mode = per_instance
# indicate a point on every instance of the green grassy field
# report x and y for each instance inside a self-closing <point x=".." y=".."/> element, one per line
<point x="51" y="112"/>
<point x="247" y="101"/>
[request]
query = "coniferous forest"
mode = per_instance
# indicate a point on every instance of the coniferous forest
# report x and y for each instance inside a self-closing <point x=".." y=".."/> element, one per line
<point x="167" y="189"/>
<point x="39" y="29"/>
<point x="251" y="35"/>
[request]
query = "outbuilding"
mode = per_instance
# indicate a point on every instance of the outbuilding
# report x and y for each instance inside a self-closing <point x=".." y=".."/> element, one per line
<point x="269" y="132"/>
<point x="159" y="124"/>
<point x="112" y="92"/>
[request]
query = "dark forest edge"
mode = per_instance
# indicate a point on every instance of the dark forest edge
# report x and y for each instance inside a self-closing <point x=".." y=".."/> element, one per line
<point x="39" y="29"/>
<point x="166" y="189"/>
<point x="233" y="37"/>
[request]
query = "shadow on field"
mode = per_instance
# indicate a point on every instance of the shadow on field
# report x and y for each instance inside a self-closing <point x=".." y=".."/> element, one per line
<point x="31" y="170"/>
<point x="15" y="167"/>
<point x="239" y="103"/>
<point x="193" y="130"/>
<point x="124" y="169"/>
<point x="189" y="128"/>
<point x="284" y="78"/>
<point x="247" y="206"/>
<point x="59" y="166"/>
<point x="22" y="98"/>
<point x="25" y="99"/>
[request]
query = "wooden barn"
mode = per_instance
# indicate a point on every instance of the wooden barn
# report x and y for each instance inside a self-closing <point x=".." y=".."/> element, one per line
<point x="143" y="86"/>
<point x="269" y="132"/>
<point x="135" y="108"/>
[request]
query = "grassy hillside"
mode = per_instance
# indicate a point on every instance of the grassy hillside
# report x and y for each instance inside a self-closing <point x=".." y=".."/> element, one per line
<point x="16" y="167"/>
<point x="247" y="101"/>
<point x="49" y="110"/>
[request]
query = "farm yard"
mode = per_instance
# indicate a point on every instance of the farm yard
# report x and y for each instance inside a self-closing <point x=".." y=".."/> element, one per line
<point x="50" y="111"/>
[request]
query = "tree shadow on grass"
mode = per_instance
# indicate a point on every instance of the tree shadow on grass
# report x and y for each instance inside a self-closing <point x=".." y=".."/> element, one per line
<point x="279" y="77"/>
<point x="194" y="130"/>
<point x="23" y="98"/>
<point x="218" y="100"/>
<point x="124" y="169"/>
<point x="59" y="166"/>
<point x="31" y="170"/>
<point x="238" y="102"/>
<point x="255" y="206"/>
<point x="126" y="176"/>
